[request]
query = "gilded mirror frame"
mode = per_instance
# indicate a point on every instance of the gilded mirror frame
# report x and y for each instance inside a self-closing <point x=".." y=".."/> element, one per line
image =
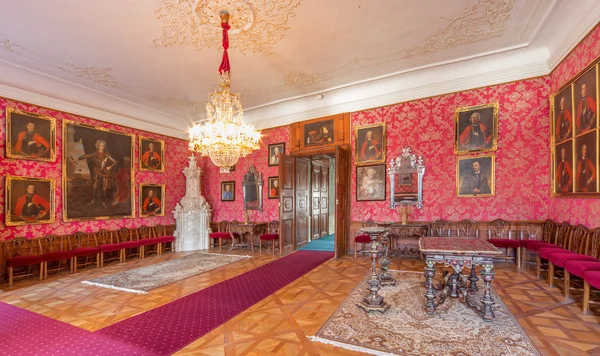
<point x="253" y="180"/>
<point x="406" y="162"/>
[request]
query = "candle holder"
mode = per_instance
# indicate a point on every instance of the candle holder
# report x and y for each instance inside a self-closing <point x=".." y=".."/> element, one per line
<point x="373" y="302"/>
<point x="385" y="279"/>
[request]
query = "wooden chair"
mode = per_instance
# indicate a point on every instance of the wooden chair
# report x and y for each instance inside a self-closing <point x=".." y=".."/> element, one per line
<point x="144" y="236"/>
<point x="500" y="235"/>
<point x="530" y="245"/>
<point x="22" y="252"/>
<point x="272" y="235"/>
<point x="55" y="249"/>
<point x="577" y="251"/>
<point x="84" y="246"/>
<point x="363" y="238"/>
<point x="167" y="242"/>
<point x="440" y="228"/>
<point x="131" y="245"/>
<point x="108" y="243"/>
<point x="558" y="241"/>
<point x="467" y="229"/>
<point x="222" y="233"/>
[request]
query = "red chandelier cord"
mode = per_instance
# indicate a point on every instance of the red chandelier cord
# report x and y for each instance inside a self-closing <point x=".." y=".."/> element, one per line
<point x="224" y="67"/>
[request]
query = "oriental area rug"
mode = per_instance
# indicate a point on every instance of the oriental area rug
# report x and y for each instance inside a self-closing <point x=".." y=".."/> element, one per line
<point x="143" y="279"/>
<point x="407" y="329"/>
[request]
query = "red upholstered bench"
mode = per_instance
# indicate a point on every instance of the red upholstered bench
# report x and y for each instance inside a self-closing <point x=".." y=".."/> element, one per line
<point x="590" y="278"/>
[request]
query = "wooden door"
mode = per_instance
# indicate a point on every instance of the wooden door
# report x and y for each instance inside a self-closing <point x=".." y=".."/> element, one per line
<point x="302" y="202"/>
<point x="324" y="203"/>
<point x="342" y="184"/>
<point x="287" y="203"/>
<point x="319" y="199"/>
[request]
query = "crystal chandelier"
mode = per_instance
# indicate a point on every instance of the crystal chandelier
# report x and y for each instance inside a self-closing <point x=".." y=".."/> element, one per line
<point x="224" y="137"/>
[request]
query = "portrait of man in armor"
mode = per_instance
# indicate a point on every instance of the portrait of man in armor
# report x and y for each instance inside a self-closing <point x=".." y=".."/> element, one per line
<point x="151" y="155"/>
<point x="585" y="102"/>
<point x="29" y="200"/>
<point x="563" y="176"/>
<point x="563" y="115"/>
<point x="585" y="163"/>
<point x="96" y="173"/>
<point x="30" y="136"/>
<point x="152" y="198"/>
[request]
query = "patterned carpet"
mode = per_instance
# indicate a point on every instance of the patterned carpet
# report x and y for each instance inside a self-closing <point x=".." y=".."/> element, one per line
<point x="407" y="329"/>
<point x="141" y="280"/>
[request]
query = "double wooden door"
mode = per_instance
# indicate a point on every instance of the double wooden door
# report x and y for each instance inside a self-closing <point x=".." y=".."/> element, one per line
<point x="319" y="199"/>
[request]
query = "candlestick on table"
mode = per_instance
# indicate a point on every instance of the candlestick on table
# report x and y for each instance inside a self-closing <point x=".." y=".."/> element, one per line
<point x="373" y="301"/>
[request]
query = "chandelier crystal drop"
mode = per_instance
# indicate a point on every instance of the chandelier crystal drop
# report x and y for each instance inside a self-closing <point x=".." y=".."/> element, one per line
<point x="224" y="137"/>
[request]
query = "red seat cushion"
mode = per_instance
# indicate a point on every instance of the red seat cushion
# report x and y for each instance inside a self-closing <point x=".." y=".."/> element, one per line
<point x="559" y="259"/>
<point x="23" y="261"/>
<point x="57" y="256"/>
<point x="505" y="243"/>
<point x="269" y="237"/>
<point x="131" y="244"/>
<point x="577" y="268"/>
<point x="362" y="239"/>
<point x="149" y="241"/>
<point x="111" y="247"/>
<point x="545" y="252"/>
<point x="525" y="243"/>
<point x="593" y="278"/>
<point x="166" y="238"/>
<point x="219" y="235"/>
<point x="85" y="251"/>
<point x="536" y="246"/>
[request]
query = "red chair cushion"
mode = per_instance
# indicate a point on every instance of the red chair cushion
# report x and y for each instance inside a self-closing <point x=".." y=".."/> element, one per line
<point x="505" y="243"/>
<point x="219" y="235"/>
<point x="545" y="252"/>
<point x="85" y="251"/>
<point x="149" y="241"/>
<point x="525" y="243"/>
<point x="131" y="244"/>
<point x="559" y="259"/>
<point x="362" y="238"/>
<point x="593" y="278"/>
<point x="166" y="238"/>
<point x="536" y="246"/>
<point x="23" y="261"/>
<point x="111" y="247"/>
<point x="269" y="237"/>
<point x="57" y="256"/>
<point x="577" y="268"/>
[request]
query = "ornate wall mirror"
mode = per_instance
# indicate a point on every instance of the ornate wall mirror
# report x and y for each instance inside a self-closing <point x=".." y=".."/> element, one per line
<point x="252" y="189"/>
<point x="406" y="179"/>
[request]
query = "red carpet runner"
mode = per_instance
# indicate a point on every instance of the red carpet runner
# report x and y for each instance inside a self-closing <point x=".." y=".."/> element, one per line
<point x="172" y="326"/>
<point x="28" y="333"/>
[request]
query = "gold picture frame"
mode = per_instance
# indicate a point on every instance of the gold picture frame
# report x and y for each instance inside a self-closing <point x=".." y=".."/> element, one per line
<point x="90" y="194"/>
<point x="42" y="135"/>
<point x="468" y="183"/>
<point x="573" y="172"/>
<point x="370" y="150"/>
<point x="151" y="152"/>
<point x="476" y="136"/>
<point x="23" y="210"/>
<point x="151" y="205"/>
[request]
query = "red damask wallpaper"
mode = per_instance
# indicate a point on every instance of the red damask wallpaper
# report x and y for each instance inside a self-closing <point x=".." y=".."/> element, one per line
<point x="175" y="159"/>
<point x="211" y="181"/>
<point x="576" y="211"/>
<point x="427" y="125"/>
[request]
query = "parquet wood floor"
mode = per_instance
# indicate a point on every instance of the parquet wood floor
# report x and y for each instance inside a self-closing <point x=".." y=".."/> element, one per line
<point x="280" y="324"/>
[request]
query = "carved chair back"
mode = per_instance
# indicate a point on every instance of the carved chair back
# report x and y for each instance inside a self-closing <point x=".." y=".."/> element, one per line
<point x="595" y="243"/>
<point x="124" y="234"/>
<point x="160" y="230"/>
<point x="548" y="230"/>
<point x="274" y="227"/>
<point x="20" y="246"/>
<point x="527" y="231"/>
<point x="143" y="232"/>
<point x="104" y="237"/>
<point x="467" y="228"/>
<point x="52" y="243"/>
<point x="499" y="229"/>
<point x="80" y="239"/>
<point x="561" y="237"/>
<point x="440" y="228"/>
<point x="579" y="239"/>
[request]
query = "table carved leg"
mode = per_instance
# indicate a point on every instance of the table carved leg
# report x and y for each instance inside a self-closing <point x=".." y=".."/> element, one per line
<point x="473" y="281"/>
<point x="385" y="278"/>
<point x="430" y="305"/>
<point x="488" y="276"/>
<point x="373" y="301"/>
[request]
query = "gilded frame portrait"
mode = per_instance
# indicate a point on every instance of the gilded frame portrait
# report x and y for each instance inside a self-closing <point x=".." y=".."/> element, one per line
<point x="371" y="183"/>
<point x="370" y="144"/>
<point x="151" y="205"/>
<point x="274" y="150"/>
<point x="97" y="173"/>
<point x="225" y="196"/>
<point x="572" y="169"/>
<point x="151" y="154"/>
<point x="42" y="136"/>
<point x="472" y="185"/>
<point x="41" y="199"/>
<point x="479" y="136"/>
<point x="273" y="191"/>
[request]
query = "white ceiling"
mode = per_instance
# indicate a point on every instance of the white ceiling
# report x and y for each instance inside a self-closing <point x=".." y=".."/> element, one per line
<point x="151" y="64"/>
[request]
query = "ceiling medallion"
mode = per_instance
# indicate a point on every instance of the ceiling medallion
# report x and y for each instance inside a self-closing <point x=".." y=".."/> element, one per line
<point x="256" y="25"/>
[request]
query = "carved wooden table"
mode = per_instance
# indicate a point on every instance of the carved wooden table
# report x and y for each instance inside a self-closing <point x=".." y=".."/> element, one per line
<point x="254" y="229"/>
<point x="404" y="239"/>
<point x="459" y="253"/>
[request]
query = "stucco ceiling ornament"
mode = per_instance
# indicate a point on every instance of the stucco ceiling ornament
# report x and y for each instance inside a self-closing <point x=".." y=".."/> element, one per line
<point x="256" y="25"/>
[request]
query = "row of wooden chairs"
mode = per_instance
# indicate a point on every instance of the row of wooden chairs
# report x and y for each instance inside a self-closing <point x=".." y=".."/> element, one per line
<point x="570" y="253"/>
<point x="82" y="249"/>
<point x="223" y="233"/>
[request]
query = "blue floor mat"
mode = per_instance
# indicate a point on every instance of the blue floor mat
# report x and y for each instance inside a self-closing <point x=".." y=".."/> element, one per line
<point x="325" y="243"/>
